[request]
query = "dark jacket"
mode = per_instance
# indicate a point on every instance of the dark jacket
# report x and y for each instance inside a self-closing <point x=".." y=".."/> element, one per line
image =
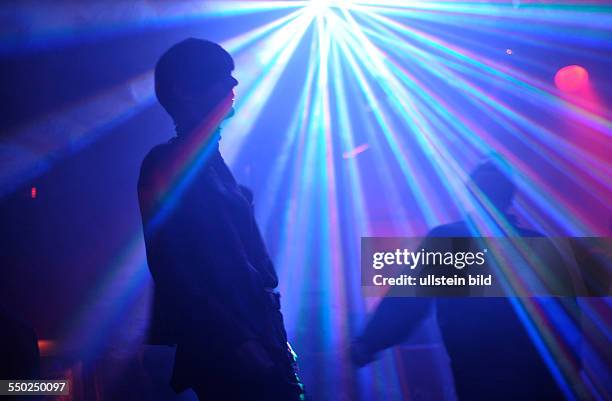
<point x="210" y="267"/>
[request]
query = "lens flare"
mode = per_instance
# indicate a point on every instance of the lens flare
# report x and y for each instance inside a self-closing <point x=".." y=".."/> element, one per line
<point x="572" y="78"/>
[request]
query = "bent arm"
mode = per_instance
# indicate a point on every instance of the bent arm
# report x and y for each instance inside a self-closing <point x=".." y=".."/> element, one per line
<point x="393" y="321"/>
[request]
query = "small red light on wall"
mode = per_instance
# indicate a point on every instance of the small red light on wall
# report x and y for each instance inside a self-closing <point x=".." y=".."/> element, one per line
<point x="33" y="192"/>
<point x="572" y="78"/>
<point x="47" y="347"/>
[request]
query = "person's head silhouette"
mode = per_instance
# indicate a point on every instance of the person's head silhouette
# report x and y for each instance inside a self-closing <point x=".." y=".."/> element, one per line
<point x="494" y="184"/>
<point x="193" y="79"/>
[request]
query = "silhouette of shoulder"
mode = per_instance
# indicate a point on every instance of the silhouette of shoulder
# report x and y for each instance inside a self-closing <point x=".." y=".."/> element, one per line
<point x="247" y="193"/>
<point x="456" y="229"/>
<point x="461" y="229"/>
<point x="526" y="232"/>
<point x="154" y="158"/>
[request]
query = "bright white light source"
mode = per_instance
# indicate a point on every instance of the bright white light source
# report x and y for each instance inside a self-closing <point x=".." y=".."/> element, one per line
<point x="322" y="7"/>
<point x="319" y="7"/>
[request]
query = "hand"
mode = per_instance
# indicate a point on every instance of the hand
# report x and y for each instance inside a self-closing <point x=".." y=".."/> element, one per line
<point x="360" y="355"/>
<point x="253" y="356"/>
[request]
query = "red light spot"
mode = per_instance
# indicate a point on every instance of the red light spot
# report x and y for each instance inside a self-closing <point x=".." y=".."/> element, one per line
<point x="47" y="347"/>
<point x="33" y="192"/>
<point x="572" y="78"/>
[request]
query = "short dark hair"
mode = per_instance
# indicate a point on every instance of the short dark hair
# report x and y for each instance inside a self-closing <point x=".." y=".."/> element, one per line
<point x="494" y="183"/>
<point x="191" y="64"/>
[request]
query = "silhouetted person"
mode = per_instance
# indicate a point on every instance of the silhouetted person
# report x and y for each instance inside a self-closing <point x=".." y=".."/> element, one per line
<point x="492" y="356"/>
<point x="214" y="281"/>
<point x="19" y="353"/>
